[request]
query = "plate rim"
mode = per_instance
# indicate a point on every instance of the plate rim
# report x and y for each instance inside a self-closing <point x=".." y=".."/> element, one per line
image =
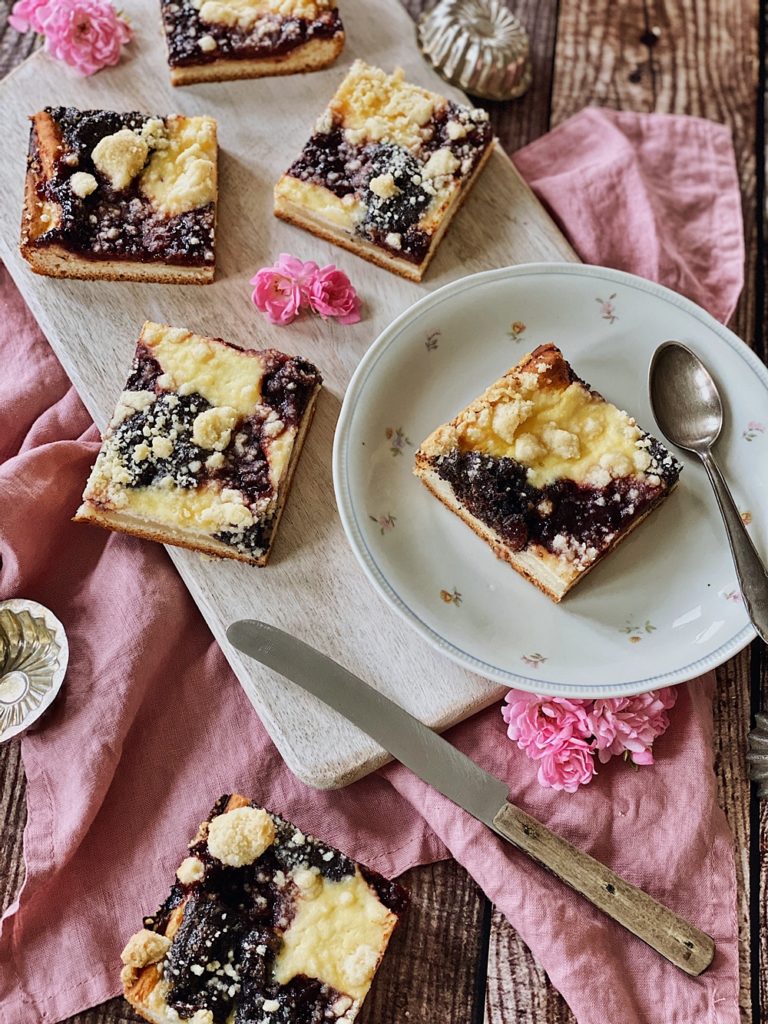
<point x="381" y="584"/>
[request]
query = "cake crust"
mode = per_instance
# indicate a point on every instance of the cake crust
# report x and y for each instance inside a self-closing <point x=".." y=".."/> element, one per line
<point x="304" y="926"/>
<point x="545" y="471"/>
<point x="299" y="217"/>
<point x="312" y="56"/>
<point x="220" y="40"/>
<point x="120" y="197"/>
<point x="203" y="446"/>
<point x="386" y="169"/>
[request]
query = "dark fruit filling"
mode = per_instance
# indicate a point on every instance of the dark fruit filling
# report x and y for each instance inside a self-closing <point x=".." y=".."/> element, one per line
<point x="169" y="412"/>
<point x="272" y="36"/>
<point x="329" y="160"/>
<point x="231" y="929"/>
<point x="145" y="370"/>
<point x="110" y="224"/>
<point x="497" y="492"/>
<point x="287" y="386"/>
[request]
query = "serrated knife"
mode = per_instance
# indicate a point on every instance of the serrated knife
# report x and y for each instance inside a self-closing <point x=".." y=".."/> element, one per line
<point x="454" y="775"/>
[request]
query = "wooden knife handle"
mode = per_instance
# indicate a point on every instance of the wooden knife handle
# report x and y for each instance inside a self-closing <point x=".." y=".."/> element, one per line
<point x="685" y="946"/>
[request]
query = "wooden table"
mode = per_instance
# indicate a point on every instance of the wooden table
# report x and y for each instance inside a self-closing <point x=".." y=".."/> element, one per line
<point x="456" y="960"/>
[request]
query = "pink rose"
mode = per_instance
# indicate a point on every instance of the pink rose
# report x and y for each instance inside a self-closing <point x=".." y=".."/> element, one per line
<point x="279" y="290"/>
<point x="565" y="736"/>
<point x="568" y="767"/>
<point x="27" y="14"/>
<point x="540" y="725"/>
<point x="331" y="294"/>
<point x="631" y="724"/>
<point x="86" y="34"/>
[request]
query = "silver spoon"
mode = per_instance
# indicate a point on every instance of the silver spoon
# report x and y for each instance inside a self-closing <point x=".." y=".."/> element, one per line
<point x="688" y="409"/>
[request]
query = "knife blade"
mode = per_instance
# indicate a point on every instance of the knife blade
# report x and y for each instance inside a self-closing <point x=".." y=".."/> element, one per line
<point x="484" y="796"/>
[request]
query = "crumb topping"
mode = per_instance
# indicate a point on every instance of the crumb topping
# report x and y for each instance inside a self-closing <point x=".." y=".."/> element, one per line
<point x="145" y="947"/>
<point x="213" y="428"/>
<point x="544" y="460"/>
<point x="182" y="175"/>
<point x="130" y="185"/>
<point x="556" y="432"/>
<point x="240" y="836"/>
<point x="372" y="105"/>
<point x="245" y="14"/>
<point x="262" y="942"/>
<point x="385" y="159"/>
<point x="83" y="184"/>
<point x="190" y="870"/>
<point x="120" y="157"/>
<point x="441" y="163"/>
<point x="173" y="458"/>
<point x="200" y="31"/>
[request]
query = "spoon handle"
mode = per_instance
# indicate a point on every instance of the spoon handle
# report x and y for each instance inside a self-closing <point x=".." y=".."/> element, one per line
<point x="753" y="575"/>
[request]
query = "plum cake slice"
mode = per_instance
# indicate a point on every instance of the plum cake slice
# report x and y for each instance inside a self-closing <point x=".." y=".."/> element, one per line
<point x="124" y="197"/>
<point x="546" y="471"/>
<point x="202" y="447"/>
<point x="264" y="924"/>
<point x="217" y="40"/>
<point x="386" y="168"/>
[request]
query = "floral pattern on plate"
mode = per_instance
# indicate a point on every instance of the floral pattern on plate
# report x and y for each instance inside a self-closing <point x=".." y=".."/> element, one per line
<point x="753" y="430"/>
<point x="397" y="440"/>
<point x="535" y="660"/>
<point x="385" y="523"/>
<point x="516" y="330"/>
<point x="608" y="309"/>
<point x="432" y="341"/>
<point x="635" y="633"/>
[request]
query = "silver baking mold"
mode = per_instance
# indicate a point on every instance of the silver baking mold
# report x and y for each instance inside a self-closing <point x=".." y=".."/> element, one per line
<point x="478" y="45"/>
<point x="33" y="661"/>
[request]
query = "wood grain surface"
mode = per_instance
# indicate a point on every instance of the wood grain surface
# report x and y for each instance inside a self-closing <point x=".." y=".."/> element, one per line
<point x="459" y="961"/>
<point x="500" y="223"/>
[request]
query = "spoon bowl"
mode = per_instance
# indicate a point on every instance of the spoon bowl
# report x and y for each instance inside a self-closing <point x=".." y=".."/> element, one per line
<point x="688" y="409"/>
<point x="684" y="397"/>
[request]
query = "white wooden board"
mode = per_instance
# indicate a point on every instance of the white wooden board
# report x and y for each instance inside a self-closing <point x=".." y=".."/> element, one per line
<point x="312" y="587"/>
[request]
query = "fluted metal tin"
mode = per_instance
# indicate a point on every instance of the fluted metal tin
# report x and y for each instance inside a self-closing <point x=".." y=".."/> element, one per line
<point x="33" y="660"/>
<point x="478" y="45"/>
<point x="758" y="754"/>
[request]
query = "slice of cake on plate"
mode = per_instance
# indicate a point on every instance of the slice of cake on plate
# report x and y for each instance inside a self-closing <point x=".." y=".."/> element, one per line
<point x="263" y="923"/>
<point x="216" y="40"/>
<point x="120" y="196"/>
<point x="202" y="447"/>
<point x="386" y="168"/>
<point x="546" y="471"/>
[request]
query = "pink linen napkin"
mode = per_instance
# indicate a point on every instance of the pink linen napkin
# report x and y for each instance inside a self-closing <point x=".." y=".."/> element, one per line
<point x="151" y="726"/>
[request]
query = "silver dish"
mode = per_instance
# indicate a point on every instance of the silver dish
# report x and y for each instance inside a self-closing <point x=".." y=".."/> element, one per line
<point x="33" y="661"/>
<point x="478" y="45"/>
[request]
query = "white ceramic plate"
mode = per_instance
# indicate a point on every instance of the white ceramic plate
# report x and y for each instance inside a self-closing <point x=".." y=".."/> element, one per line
<point x="665" y="606"/>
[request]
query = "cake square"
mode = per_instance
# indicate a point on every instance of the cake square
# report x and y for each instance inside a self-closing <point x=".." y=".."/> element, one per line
<point x="386" y="168"/>
<point x="203" y="444"/>
<point x="120" y="196"/>
<point x="217" y="40"/>
<point x="263" y="923"/>
<point x="546" y="471"/>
